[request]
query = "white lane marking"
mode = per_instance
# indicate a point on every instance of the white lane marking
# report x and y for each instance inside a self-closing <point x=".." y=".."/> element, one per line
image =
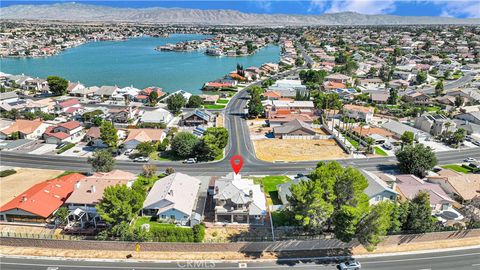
<point x="423" y="258"/>
<point x="476" y="264"/>
<point x="242" y="265"/>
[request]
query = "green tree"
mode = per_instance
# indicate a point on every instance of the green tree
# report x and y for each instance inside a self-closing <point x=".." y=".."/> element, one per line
<point x="407" y="137"/>
<point x="58" y="86"/>
<point x="439" y="88"/>
<point x="108" y="134"/>
<point x="399" y="217"/>
<point x="153" y="98"/>
<point x="299" y="62"/>
<point x="374" y="226"/>
<point x="146" y="148"/>
<point x="255" y="107"/>
<point x="62" y="214"/>
<point x="447" y="74"/>
<point x="102" y="161"/>
<point x="459" y="101"/>
<point x="194" y="102"/>
<point x="205" y="150"/>
<point x="120" y="203"/>
<point x="416" y="159"/>
<point x="220" y="134"/>
<point x="419" y="218"/>
<point x="421" y="77"/>
<point x="184" y="143"/>
<point x="393" y="97"/>
<point x="175" y="103"/>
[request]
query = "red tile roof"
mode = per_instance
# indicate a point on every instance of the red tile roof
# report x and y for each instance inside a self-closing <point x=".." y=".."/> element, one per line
<point x="70" y="125"/>
<point x="46" y="197"/>
<point x="60" y="135"/>
<point x="69" y="102"/>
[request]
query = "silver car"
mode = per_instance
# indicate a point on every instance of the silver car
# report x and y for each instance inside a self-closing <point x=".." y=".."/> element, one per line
<point x="350" y="265"/>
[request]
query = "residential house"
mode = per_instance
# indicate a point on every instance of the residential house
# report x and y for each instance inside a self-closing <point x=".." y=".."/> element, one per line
<point x="284" y="189"/>
<point x="197" y="117"/>
<point x="398" y="129"/>
<point x="8" y="97"/>
<point x="339" y="78"/>
<point x="291" y="86"/>
<point x="106" y="91"/>
<point x="84" y="92"/>
<point x="156" y="116"/>
<point x="74" y="87"/>
<point x="121" y="115"/>
<point x="93" y="137"/>
<point x="358" y="112"/>
<point x="372" y="84"/>
<point x="473" y="95"/>
<point x="172" y="198"/>
<point x="88" y="192"/>
<point x="408" y="186"/>
<point x="239" y="200"/>
<point x="435" y="124"/>
<point x="378" y="190"/>
<point x="416" y="97"/>
<point x="137" y="136"/>
<point x="70" y="131"/>
<point x="186" y="95"/>
<point x="463" y="187"/>
<point x="472" y="117"/>
<point x="294" y="128"/>
<point x="210" y="99"/>
<point x="24" y="129"/>
<point x="68" y="107"/>
<point x="379" y="97"/>
<point x="41" y="201"/>
<point x="147" y="91"/>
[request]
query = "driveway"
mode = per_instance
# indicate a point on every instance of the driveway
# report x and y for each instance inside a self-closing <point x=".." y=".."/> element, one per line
<point x="79" y="150"/>
<point x="47" y="148"/>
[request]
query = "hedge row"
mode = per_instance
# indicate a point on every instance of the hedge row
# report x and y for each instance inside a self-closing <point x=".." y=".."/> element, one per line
<point x="6" y="173"/>
<point x="65" y="148"/>
<point x="172" y="234"/>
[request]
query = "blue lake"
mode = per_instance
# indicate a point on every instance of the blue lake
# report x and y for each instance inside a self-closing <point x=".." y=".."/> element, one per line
<point x="135" y="62"/>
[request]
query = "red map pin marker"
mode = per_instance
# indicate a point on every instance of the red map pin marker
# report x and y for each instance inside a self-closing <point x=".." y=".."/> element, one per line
<point x="237" y="163"/>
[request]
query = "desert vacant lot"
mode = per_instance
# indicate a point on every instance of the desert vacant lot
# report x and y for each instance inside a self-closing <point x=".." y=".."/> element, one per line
<point x="297" y="150"/>
<point x="17" y="183"/>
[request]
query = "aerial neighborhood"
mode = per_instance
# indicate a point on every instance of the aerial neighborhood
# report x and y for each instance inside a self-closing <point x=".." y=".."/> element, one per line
<point x="354" y="133"/>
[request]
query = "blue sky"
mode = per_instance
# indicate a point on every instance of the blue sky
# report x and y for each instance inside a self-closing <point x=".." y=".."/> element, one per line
<point x="451" y="8"/>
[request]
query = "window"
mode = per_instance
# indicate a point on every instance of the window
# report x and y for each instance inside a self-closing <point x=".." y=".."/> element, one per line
<point x="172" y="216"/>
<point x="378" y="198"/>
<point x="164" y="216"/>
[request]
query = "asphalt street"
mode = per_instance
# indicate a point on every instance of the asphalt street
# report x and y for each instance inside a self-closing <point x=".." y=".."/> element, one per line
<point x="457" y="259"/>
<point x="239" y="144"/>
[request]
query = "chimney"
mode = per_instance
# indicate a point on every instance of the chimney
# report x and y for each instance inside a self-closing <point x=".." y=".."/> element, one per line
<point x="93" y="189"/>
<point x="77" y="185"/>
<point x="24" y="198"/>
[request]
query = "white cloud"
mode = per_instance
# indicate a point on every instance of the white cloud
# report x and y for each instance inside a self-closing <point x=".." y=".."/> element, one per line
<point x="360" y="6"/>
<point x="264" y="5"/>
<point x="469" y="9"/>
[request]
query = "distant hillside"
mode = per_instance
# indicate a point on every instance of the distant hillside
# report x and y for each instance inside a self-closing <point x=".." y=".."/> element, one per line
<point x="83" y="12"/>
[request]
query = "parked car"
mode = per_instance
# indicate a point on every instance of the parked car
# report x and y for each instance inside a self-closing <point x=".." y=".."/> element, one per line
<point x="190" y="161"/>
<point x="61" y="145"/>
<point x="470" y="159"/>
<point x="141" y="159"/>
<point x="128" y="152"/>
<point x="350" y="265"/>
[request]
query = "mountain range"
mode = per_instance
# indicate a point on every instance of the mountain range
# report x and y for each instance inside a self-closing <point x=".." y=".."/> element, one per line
<point x="76" y="12"/>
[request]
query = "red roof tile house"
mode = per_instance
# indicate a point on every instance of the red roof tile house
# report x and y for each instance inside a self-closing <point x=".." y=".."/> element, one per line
<point x="25" y="129"/>
<point x="70" y="131"/>
<point x="41" y="201"/>
<point x="68" y="107"/>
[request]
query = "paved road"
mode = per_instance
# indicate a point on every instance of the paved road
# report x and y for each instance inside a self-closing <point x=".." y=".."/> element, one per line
<point x="239" y="144"/>
<point x="458" y="260"/>
<point x="466" y="78"/>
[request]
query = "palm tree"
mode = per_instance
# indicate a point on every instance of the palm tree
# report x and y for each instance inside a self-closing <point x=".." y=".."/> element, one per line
<point x="370" y="142"/>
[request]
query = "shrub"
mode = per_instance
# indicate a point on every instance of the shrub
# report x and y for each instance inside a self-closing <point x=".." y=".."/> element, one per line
<point x="65" y="148"/>
<point x="198" y="233"/>
<point x="6" y="173"/>
<point x="172" y="234"/>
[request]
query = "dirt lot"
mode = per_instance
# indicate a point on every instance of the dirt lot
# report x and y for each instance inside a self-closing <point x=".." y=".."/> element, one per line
<point x="256" y="128"/>
<point x="297" y="150"/>
<point x="17" y="183"/>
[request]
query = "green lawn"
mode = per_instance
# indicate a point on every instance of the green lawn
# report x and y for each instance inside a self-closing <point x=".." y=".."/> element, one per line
<point x="458" y="168"/>
<point x="214" y="107"/>
<point x="153" y="224"/>
<point x="164" y="156"/>
<point x="269" y="184"/>
<point x="379" y="151"/>
<point x="222" y="101"/>
<point x="352" y="141"/>
<point x="433" y="108"/>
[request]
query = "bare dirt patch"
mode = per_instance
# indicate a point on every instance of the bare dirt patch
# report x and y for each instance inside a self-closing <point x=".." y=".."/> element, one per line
<point x="257" y="127"/>
<point x="13" y="185"/>
<point x="297" y="150"/>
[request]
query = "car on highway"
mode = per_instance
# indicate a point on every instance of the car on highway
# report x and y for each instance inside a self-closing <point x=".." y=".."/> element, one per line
<point x="470" y="159"/>
<point x="141" y="159"/>
<point x="350" y="265"/>
<point x="190" y="161"/>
